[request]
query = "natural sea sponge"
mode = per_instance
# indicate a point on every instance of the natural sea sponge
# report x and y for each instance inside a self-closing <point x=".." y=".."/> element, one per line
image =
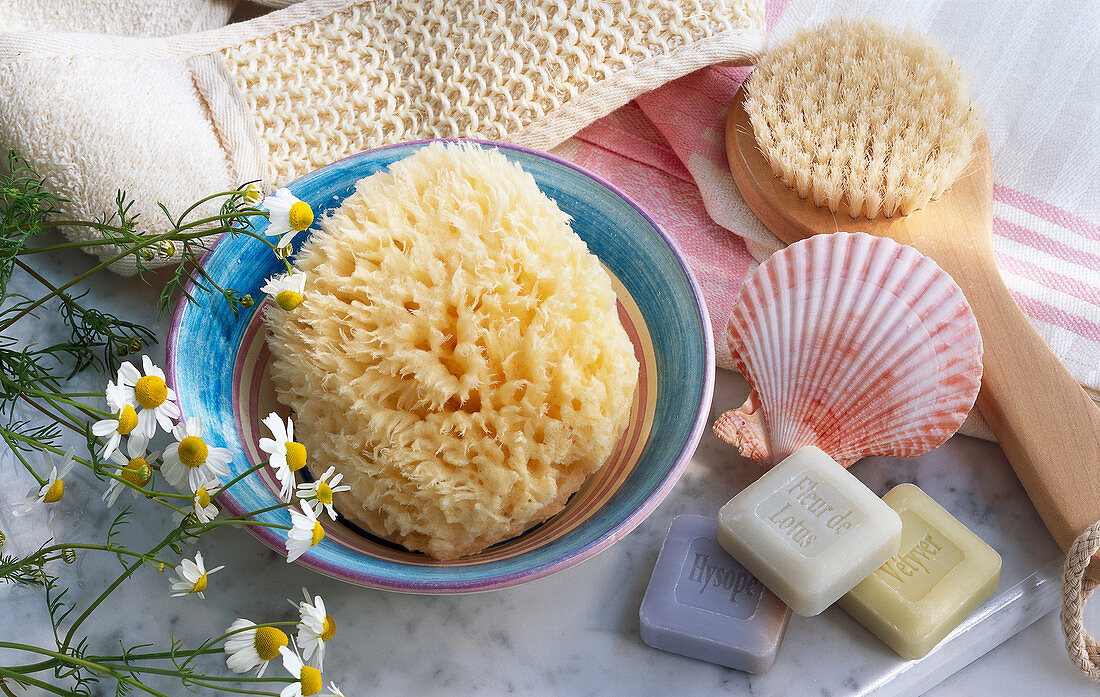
<point x="458" y="356"/>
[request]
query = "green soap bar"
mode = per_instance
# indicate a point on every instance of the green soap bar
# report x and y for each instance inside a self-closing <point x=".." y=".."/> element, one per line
<point x="941" y="574"/>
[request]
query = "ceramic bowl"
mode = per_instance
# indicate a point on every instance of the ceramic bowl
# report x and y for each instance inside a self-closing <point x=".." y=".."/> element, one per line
<point x="218" y="365"/>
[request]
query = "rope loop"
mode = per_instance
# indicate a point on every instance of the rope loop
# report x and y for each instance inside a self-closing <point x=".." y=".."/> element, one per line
<point x="1083" y="650"/>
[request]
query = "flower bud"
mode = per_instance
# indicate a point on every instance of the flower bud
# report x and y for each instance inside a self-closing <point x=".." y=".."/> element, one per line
<point x="68" y="555"/>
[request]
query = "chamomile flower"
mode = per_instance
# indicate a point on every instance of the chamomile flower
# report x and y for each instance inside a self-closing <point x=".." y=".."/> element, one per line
<point x="249" y="646"/>
<point x="319" y="493"/>
<point x="192" y="577"/>
<point x="333" y="691"/>
<point x="134" y="467"/>
<point x="114" y="428"/>
<point x="190" y="461"/>
<point x="315" y="627"/>
<point x="52" y="490"/>
<point x="156" y="399"/>
<point x="251" y="194"/>
<point x="287" y="290"/>
<point x="305" y="532"/>
<point x="288" y="216"/>
<point x="309" y="678"/>
<point x="205" y="511"/>
<point x="285" y="455"/>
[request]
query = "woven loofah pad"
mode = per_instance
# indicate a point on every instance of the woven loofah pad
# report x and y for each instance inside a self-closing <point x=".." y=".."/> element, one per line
<point x="458" y="356"/>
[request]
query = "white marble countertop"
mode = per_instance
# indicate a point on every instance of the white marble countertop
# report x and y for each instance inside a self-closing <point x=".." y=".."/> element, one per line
<point x="575" y="632"/>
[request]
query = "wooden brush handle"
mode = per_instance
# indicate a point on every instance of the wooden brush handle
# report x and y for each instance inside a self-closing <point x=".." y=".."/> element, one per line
<point x="1047" y="425"/>
<point x="1045" y="422"/>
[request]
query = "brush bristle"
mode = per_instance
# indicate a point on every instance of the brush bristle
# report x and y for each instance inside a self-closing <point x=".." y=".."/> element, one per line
<point x="857" y="114"/>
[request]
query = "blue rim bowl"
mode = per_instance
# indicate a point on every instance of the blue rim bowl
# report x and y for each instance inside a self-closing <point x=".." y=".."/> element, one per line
<point x="216" y="366"/>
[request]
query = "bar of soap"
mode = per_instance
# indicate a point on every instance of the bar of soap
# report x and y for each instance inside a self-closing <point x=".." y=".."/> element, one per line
<point x="701" y="603"/>
<point x="809" y="530"/>
<point x="940" y="575"/>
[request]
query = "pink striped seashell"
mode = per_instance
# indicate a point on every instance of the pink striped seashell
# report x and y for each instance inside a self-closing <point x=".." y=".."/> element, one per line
<point x="856" y="344"/>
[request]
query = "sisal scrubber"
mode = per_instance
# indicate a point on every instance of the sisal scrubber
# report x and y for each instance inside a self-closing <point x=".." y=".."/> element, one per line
<point x="173" y="119"/>
<point x="858" y="116"/>
<point x="458" y="356"/>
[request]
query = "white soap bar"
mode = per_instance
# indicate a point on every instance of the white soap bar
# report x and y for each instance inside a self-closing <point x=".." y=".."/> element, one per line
<point x="809" y="530"/>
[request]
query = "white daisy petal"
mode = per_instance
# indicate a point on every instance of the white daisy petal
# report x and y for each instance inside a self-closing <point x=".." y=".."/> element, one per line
<point x="305" y="532"/>
<point x="250" y="646"/>
<point x="192" y="577"/>
<point x="285" y="455"/>
<point x="315" y="627"/>
<point x="105" y="427"/>
<point x="128" y="375"/>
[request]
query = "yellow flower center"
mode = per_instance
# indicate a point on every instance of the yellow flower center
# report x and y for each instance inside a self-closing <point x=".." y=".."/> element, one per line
<point x="324" y="493"/>
<point x="137" y="471"/>
<point x="150" y="391"/>
<point x="57" y="490"/>
<point x="193" y="451"/>
<point x="301" y="215"/>
<point x="288" y="299"/>
<point x="268" y="642"/>
<point x="200" y="585"/>
<point x="328" y="630"/>
<point x="127" y="420"/>
<point x="203" y="497"/>
<point x="295" y="455"/>
<point x="318" y="534"/>
<point x="311" y="681"/>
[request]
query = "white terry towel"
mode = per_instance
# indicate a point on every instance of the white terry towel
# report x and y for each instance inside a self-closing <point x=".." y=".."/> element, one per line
<point x="128" y="17"/>
<point x="174" y="119"/>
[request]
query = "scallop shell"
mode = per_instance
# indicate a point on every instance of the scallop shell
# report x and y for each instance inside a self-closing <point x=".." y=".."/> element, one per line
<point x="856" y="344"/>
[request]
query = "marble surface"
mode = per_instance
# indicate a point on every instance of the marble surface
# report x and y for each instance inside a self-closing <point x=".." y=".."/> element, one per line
<point x="575" y="632"/>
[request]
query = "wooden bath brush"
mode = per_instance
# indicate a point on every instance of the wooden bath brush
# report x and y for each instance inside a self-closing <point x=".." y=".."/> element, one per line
<point x="858" y="127"/>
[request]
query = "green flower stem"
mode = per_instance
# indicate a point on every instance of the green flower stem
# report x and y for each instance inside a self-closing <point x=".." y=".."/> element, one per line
<point x="6" y="435"/>
<point x="237" y="690"/>
<point x="54" y="397"/>
<point x="34" y="667"/>
<point x="238" y="478"/>
<point x="73" y="660"/>
<point x="203" y="527"/>
<point x="246" y="516"/>
<point x="103" y="548"/>
<point x="81" y="244"/>
<point x="160" y="655"/>
<point x="59" y="418"/>
<point x="147" y="242"/>
<point x="216" y="678"/>
<point x="26" y="679"/>
<point x="220" y="194"/>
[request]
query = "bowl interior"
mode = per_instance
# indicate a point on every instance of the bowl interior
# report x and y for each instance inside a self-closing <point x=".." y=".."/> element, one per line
<point x="218" y="365"/>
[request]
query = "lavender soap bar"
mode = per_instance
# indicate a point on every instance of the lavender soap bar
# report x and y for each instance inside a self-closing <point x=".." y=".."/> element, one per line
<point x="701" y="603"/>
